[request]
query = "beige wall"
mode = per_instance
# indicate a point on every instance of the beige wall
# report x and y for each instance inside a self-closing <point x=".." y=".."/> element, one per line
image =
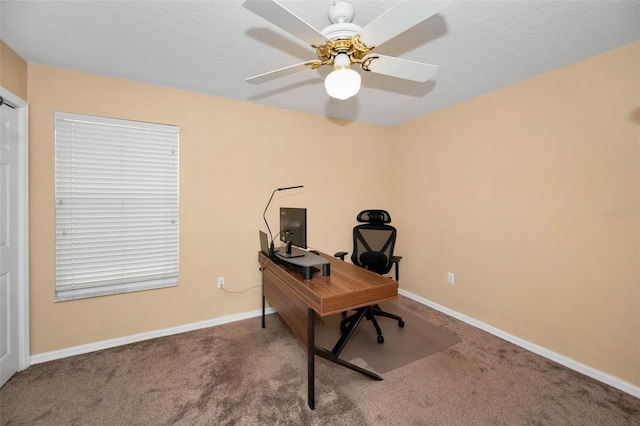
<point x="13" y="71"/>
<point x="509" y="191"/>
<point x="232" y="156"/>
<point x="514" y="193"/>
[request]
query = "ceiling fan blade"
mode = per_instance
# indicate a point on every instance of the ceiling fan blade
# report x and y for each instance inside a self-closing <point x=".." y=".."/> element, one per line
<point x="272" y="75"/>
<point x="279" y="15"/>
<point x="399" y="18"/>
<point x="400" y="68"/>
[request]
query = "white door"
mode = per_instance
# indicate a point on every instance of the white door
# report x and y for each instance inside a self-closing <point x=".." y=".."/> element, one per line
<point x="9" y="329"/>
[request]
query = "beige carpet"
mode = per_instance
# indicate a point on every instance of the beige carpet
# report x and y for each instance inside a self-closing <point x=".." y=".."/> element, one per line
<point x="402" y="345"/>
<point x="241" y="374"/>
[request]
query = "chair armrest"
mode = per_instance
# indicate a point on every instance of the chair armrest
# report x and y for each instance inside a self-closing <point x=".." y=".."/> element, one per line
<point x="396" y="259"/>
<point x="340" y="254"/>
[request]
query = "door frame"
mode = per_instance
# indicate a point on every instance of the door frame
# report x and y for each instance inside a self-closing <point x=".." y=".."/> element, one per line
<point x="22" y="108"/>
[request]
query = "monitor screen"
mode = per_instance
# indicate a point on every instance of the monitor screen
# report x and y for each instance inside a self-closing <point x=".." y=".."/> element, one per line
<point x="293" y="226"/>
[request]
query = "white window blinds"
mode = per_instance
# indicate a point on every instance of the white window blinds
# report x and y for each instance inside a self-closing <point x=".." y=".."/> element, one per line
<point x="116" y="205"/>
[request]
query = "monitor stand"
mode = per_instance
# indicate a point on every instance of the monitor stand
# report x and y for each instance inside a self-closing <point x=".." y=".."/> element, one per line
<point x="307" y="262"/>
<point x="289" y="253"/>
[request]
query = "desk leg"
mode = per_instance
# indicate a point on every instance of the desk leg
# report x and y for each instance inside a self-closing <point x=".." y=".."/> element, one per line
<point x="331" y="357"/>
<point x="263" y="301"/>
<point x="263" y="298"/>
<point x="310" y="359"/>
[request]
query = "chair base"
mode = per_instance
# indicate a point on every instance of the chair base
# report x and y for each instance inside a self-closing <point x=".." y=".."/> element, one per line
<point x="368" y="312"/>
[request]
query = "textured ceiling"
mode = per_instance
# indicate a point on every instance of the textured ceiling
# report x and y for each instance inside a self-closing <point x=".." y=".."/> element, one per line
<point x="212" y="46"/>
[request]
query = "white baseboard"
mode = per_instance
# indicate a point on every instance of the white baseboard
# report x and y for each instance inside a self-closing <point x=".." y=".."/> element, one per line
<point x="553" y="356"/>
<point x="112" y="343"/>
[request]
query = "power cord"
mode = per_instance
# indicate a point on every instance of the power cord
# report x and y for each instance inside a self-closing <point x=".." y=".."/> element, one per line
<point x="241" y="291"/>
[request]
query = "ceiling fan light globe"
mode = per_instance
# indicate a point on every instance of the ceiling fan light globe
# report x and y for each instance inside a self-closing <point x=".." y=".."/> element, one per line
<point x="342" y="83"/>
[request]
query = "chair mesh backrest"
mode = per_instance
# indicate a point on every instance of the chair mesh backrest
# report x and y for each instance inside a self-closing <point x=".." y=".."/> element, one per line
<point x="373" y="245"/>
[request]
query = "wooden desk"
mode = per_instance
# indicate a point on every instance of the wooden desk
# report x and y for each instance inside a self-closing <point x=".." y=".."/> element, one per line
<point x="297" y="301"/>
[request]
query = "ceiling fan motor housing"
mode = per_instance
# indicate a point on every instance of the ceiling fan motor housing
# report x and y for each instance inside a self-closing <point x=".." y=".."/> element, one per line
<point x="344" y="39"/>
<point x="341" y="31"/>
<point x="343" y="35"/>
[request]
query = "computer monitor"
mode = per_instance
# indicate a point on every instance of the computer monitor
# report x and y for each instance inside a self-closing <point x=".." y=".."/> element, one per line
<point x="293" y="227"/>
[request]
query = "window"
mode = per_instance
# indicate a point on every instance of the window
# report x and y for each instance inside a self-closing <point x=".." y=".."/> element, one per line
<point x="116" y="206"/>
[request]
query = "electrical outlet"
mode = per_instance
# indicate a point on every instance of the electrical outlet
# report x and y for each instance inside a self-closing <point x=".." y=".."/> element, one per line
<point x="220" y="282"/>
<point x="450" y="277"/>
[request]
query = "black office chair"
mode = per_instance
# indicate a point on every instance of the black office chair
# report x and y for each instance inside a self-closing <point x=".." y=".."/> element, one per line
<point x="373" y="243"/>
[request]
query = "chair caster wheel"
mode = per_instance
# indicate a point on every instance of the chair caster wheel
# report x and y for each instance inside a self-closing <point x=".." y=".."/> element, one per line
<point x="380" y="339"/>
<point x="401" y="323"/>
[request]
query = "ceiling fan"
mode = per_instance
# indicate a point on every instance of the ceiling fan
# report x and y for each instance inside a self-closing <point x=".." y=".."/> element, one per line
<point x="343" y="44"/>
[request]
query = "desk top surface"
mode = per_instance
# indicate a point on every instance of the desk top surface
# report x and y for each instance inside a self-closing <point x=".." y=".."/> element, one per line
<point x="347" y="287"/>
